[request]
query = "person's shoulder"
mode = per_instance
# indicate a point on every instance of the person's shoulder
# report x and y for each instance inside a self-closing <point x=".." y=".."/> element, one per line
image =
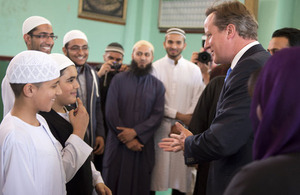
<point x="265" y="168"/>
<point x="12" y="129"/>
<point x="154" y="79"/>
<point x="159" y="62"/>
<point x="256" y="56"/>
<point x="122" y="74"/>
<point x="7" y="125"/>
<point x="190" y="64"/>
<point x="264" y="176"/>
<point x="42" y="120"/>
<point x="120" y="77"/>
<point x="89" y="67"/>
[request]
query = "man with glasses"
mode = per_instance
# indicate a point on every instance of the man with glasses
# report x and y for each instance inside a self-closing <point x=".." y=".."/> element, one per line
<point x="38" y="35"/>
<point x="75" y="46"/>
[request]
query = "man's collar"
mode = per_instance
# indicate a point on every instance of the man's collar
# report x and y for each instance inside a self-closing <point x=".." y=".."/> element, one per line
<point x="80" y="69"/>
<point x="238" y="56"/>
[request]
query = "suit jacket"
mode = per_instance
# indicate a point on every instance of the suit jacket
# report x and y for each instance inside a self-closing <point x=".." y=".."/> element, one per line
<point x="227" y="143"/>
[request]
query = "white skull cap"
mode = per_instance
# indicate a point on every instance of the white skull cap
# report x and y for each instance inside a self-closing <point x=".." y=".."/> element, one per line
<point x="32" y="67"/>
<point x="62" y="60"/>
<point x="32" y="22"/>
<point x="74" y="34"/>
<point x="143" y="42"/>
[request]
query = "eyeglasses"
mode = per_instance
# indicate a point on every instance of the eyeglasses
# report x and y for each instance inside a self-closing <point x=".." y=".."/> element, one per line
<point x="45" y="36"/>
<point x="78" y="48"/>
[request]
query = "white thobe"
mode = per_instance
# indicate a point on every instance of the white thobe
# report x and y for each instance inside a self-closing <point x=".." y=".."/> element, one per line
<point x="183" y="83"/>
<point x="33" y="162"/>
<point x="8" y="96"/>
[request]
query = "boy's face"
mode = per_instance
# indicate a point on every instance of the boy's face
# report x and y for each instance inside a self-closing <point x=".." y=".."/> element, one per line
<point x="44" y="95"/>
<point x="69" y="85"/>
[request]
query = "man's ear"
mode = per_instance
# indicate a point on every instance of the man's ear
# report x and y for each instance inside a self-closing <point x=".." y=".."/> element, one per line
<point x="29" y="89"/>
<point x="184" y="46"/>
<point x="64" y="50"/>
<point x="104" y="57"/>
<point x="231" y="30"/>
<point x="27" y="39"/>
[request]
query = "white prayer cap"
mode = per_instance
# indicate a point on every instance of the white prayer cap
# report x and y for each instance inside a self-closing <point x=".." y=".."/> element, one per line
<point x="143" y="42"/>
<point x="62" y="60"/>
<point x="74" y="34"/>
<point x="32" y="67"/>
<point x="32" y="22"/>
<point x="175" y="31"/>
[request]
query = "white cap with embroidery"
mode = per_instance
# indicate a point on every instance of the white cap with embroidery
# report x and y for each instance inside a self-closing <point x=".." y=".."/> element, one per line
<point x="32" y="67"/>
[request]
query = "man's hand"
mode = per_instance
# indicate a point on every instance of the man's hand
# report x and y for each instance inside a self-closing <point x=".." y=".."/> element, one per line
<point x="79" y="118"/>
<point x="203" y="67"/>
<point x="194" y="57"/>
<point x="185" y="118"/>
<point x="176" y="142"/>
<point x="106" y="67"/>
<point x="126" y="135"/>
<point x="102" y="189"/>
<point x="134" y="145"/>
<point x="174" y="130"/>
<point x="99" y="145"/>
<point x="124" y="68"/>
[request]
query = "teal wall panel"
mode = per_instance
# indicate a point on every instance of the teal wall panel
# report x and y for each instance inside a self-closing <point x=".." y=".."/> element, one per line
<point x="141" y="23"/>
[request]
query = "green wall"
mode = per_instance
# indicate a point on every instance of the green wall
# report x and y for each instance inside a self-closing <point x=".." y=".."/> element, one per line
<point x="141" y="23"/>
<point x="275" y="14"/>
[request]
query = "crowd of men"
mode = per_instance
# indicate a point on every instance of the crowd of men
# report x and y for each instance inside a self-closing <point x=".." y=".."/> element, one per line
<point x="72" y="128"/>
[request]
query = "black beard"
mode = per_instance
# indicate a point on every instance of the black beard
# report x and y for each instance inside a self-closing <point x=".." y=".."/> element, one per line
<point x="140" y="71"/>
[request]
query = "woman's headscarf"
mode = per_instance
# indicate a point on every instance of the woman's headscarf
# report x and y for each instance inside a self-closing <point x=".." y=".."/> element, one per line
<point x="278" y="94"/>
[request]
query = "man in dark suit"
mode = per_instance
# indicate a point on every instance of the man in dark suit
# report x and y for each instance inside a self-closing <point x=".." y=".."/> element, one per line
<point x="232" y="37"/>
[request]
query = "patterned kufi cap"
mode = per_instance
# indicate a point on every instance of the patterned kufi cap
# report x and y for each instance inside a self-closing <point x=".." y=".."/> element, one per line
<point x="32" y="67"/>
<point x="115" y="47"/>
<point x="175" y="31"/>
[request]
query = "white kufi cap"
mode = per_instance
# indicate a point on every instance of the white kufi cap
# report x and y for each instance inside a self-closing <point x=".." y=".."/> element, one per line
<point x="32" y="67"/>
<point x="143" y="42"/>
<point x="62" y="60"/>
<point x="32" y="22"/>
<point x="74" y="34"/>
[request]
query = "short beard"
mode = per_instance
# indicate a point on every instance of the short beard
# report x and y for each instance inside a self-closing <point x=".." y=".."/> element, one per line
<point x="140" y="71"/>
<point x="174" y="56"/>
<point x="76" y="65"/>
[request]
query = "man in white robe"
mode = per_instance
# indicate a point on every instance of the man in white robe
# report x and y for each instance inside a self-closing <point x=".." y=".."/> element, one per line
<point x="38" y="35"/>
<point x="183" y="82"/>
